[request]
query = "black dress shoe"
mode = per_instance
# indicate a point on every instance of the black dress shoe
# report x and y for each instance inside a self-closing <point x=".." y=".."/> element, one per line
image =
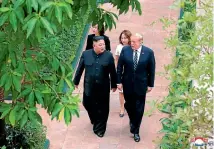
<point x="121" y="114"/>
<point x="100" y="134"/>
<point x="136" y="137"/>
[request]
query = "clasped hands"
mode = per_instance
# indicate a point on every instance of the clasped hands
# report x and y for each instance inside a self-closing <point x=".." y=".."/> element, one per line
<point x="120" y="87"/>
<point x="113" y="89"/>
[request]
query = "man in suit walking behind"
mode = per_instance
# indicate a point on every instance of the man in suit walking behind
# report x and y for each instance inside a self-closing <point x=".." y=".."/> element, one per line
<point x="136" y="75"/>
<point x="99" y="65"/>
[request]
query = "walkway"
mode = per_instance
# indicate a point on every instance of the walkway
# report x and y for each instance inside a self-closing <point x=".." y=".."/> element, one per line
<point x="79" y="134"/>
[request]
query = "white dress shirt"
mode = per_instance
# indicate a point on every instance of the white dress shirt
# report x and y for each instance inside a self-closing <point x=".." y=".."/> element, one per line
<point x="138" y="53"/>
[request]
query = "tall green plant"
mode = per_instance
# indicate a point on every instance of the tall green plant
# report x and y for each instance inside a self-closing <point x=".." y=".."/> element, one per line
<point x="36" y="74"/>
<point x="189" y="103"/>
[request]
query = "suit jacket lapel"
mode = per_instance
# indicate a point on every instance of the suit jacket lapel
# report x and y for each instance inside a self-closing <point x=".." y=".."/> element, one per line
<point x="132" y="60"/>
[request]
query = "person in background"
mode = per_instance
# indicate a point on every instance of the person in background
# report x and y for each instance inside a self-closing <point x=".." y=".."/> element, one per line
<point x="100" y="77"/>
<point x="97" y="32"/>
<point x="124" y="40"/>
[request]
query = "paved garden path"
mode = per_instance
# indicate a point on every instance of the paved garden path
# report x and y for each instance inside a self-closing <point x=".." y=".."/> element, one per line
<point x="79" y="135"/>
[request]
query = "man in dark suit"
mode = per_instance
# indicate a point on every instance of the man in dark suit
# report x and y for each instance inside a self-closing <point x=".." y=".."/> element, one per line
<point x="136" y="75"/>
<point x="99" y="66"/>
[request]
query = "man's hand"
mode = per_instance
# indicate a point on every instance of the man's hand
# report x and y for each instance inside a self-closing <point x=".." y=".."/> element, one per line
<point x="149" y="89"/>
<point x="76" y="86"/>
<point x="120" y="87"/>
<point x="114" y="89"/>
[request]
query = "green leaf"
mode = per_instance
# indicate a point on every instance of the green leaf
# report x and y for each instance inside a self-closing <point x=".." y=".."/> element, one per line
<point x="28" y="18"/>
<point x="69" y="74"/>
<point x="55" y="63"/>
<point x="24" y="119"/>
<point x="68" y="9"/>
<point x="39" y="98"/>
<point x="33" y="109"/>
<point x="58" y="13"/>
<point x="63" y="70"/>
<point x="5" y="113"/>
<point x="51" y="105"/>
<point x="38" y="117"/>
<point x="29" y="8"/>
<point x="31" y="115"/>
<point x="57" y="108"/>
<point x="69" y="83"/>
<point x="31" y="99"/>
<point x="4" y="9"/>
<point x="13" y="20"/>
<point x="67" y="116"/>
<point x="8" y="83"/>
<point x="138" y="7"/>
<point x="13" y="58"/>
<point x="113" y="21"/>
<point x="20" y="14"/>
<point x="4" y="18"/>
<point x="12" y="117"/>
<point x="3" y="79"/>
<point x="70" y="2"/>
<point x="20" y="114"/>
<point x="46" y="5"/>
<point x="77" y="113"/>
<point x="93" y="4"/>
<point x="24" y="93"/>
<point x="61" y="85"/>
<point x="17" y="83"/>
<point x="17" y="74"/>
<point x="38" y="30"/>
<point x="18" y="3"/>
<point x="4" y="108"/>
<point x="4" y="2"/>
<point x="35" y="4"/>
<point x="47" y="25"/>
<point x="31" y="25"/>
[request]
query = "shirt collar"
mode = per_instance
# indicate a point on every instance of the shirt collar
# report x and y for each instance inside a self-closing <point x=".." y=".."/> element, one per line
<point x="139" y="50"/>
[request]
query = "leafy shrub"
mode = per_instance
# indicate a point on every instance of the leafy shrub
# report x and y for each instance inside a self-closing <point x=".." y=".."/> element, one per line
<point x="189" y="102"/>
<point x="31" y="136"/>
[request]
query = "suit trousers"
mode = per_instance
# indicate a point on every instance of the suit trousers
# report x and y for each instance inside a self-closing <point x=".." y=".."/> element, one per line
<point x="97" y="106"/>
<point x="134" y="105"/>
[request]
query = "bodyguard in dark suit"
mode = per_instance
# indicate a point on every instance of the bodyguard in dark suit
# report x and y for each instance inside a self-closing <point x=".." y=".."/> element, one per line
<point x="100" y="76"/>
<point x="136" y="75"/>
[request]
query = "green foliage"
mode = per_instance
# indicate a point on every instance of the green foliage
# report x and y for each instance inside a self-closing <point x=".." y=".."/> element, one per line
<point x="38" y="41"/>
<point x="33" y="135"/>
<point x="189" y="102"/>
<point x="101" y="16"/>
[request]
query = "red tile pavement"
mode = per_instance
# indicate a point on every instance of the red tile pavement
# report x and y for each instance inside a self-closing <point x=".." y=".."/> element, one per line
<point x="79" y="135"/>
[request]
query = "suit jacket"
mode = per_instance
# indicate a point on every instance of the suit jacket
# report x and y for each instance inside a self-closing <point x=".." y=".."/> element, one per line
<point x="136" y="81"/>
<point x="89" y="44"/>
<point x="98" y="68"/>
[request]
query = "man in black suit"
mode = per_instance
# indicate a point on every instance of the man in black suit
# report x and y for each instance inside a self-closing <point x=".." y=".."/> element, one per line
<point x="99" y="65"/>
<point x="136" y="75"/>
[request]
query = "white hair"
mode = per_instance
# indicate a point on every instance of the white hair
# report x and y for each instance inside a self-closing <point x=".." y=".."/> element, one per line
<point x="140" y="36"/>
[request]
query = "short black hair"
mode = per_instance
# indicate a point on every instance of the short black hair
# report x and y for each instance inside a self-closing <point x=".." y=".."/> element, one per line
<point x="97" y="38"/>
